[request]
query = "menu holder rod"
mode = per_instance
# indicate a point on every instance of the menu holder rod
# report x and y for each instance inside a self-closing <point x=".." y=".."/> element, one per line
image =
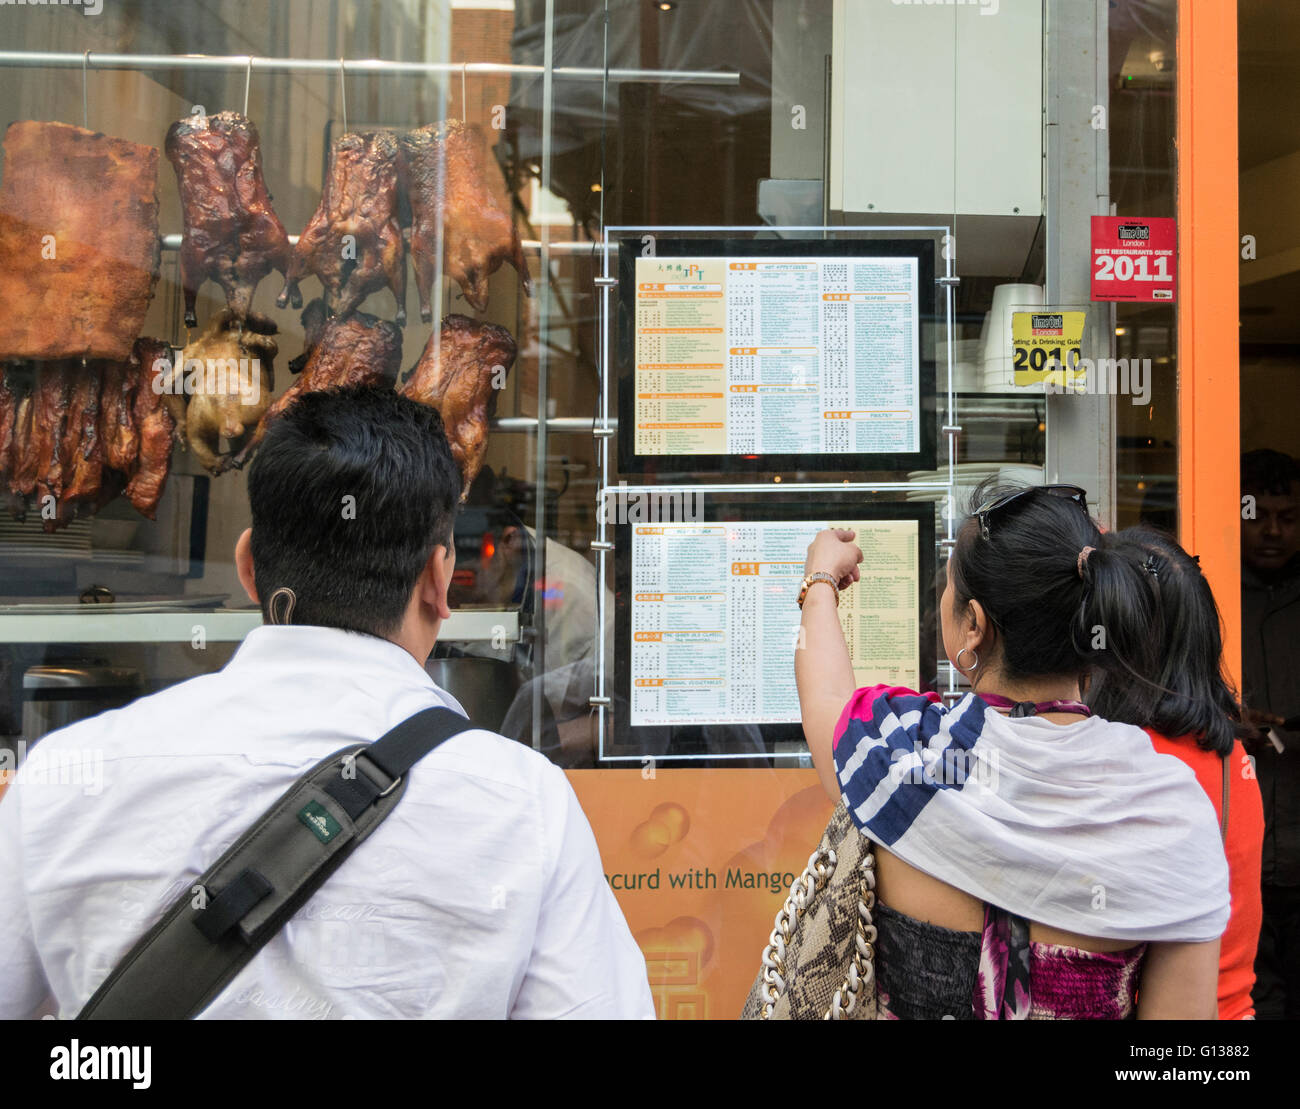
<point x="776" y="487"/>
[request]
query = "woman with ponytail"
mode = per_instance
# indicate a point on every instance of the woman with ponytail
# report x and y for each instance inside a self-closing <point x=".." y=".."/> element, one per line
<point x="1184" y="703"/>
<point x="1032" y="859"/>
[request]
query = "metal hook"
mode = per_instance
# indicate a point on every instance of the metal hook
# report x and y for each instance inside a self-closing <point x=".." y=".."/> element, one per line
<point x="343" y="95"/>
<point x="85" y="111"/>
<point x="248" y="80"/>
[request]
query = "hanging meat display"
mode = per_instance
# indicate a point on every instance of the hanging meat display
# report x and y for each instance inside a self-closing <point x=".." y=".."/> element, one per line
<point x="79" y="247"/>
<point x="232" y="234"/>
<point x="75" y="434"/>
<point x="458" y="193"/>
<point x="462" y="367"/>
<point x="84" y="414"/>
<point x="354" y="242"/>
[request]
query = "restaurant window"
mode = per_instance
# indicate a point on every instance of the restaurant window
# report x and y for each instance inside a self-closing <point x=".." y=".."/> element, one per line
<point x="775" y="264"/>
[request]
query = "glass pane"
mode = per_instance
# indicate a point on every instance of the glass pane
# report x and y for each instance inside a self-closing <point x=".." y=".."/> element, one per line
<point x="731" y="272"/>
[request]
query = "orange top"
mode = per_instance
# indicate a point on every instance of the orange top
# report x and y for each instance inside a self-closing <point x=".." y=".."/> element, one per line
<point x="1244" y="846"/>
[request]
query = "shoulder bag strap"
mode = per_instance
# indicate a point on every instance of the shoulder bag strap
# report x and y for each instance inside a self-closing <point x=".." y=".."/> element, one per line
<point x="211" y="932"/>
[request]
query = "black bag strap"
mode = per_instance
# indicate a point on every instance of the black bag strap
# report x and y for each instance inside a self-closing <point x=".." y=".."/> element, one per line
<point x="211" y="931"/>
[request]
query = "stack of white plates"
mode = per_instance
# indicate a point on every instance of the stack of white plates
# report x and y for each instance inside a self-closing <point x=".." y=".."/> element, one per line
<point x="966" y="354"/>
<point x="965" y="378"/>
<point x="998" y="373"/>
<point x="28" y="539"/>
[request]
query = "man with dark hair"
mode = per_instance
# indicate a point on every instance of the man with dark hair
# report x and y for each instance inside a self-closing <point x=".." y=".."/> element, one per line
<point x="482" y="895"/>
<point x="1270" y="579"/>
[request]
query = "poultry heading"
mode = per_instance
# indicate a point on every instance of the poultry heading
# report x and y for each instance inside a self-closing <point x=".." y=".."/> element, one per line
<point x="79" y="246"/>
<point x="463" y="365"/>
<point x="458" y="192"/>
<point x="352" y="350"/>
<point x="230" y="401"/>
<point x="354" y="242"/>
<point x="232" y="234"/>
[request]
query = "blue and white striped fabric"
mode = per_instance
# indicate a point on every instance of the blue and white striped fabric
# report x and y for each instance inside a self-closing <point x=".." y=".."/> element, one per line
<point x="1081" y="826"/>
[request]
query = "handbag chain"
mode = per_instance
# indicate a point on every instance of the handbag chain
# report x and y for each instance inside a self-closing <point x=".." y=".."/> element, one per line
<point x="803" y="891"/>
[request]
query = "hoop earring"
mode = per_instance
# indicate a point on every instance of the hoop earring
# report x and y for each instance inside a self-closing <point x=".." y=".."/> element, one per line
<point x="973" y="666"/>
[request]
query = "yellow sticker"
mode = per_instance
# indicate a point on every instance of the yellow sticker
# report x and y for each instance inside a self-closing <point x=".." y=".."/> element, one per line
<point x="1047" y="346"/>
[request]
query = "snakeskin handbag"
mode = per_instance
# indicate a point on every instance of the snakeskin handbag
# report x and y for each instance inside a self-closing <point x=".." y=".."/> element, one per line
<point x="819" y="963"/>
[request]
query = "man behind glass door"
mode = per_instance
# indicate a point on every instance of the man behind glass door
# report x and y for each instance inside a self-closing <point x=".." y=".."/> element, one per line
<point x="482" y="895"/>
<point x="1270" y="617"/>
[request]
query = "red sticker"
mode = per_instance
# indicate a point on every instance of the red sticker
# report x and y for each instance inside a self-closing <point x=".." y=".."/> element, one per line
<point x="1134" y="259"/>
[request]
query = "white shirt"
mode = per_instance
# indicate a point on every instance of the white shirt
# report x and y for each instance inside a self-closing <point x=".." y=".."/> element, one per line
<point x="481" y="895"/>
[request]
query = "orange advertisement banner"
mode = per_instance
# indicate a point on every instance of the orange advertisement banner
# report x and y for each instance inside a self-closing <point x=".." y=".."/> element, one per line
<point x="700" y="861"/>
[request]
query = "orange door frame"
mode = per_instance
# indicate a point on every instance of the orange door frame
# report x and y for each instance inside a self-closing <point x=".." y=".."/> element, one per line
<point x="1209" y="399"/>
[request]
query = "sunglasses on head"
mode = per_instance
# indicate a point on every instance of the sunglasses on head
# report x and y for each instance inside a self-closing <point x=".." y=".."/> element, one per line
<point x="1069" y="492"/>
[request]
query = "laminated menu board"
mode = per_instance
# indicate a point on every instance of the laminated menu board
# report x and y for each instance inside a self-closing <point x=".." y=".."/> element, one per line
<point x="706" y="620"/>
<point x="775" y="354"/>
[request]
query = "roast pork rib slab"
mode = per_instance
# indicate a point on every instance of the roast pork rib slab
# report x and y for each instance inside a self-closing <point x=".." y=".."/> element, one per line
<point x="79" y="245"/>
<point x="118" y="435"/>
<point x="232" y="234"/>
<point x="81" y="454"/>
<point x="156" y="425"/>
<point x="10" y="398"/>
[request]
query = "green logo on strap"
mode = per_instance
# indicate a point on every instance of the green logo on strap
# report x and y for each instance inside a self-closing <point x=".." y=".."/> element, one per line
<point x="318" y="819"/>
